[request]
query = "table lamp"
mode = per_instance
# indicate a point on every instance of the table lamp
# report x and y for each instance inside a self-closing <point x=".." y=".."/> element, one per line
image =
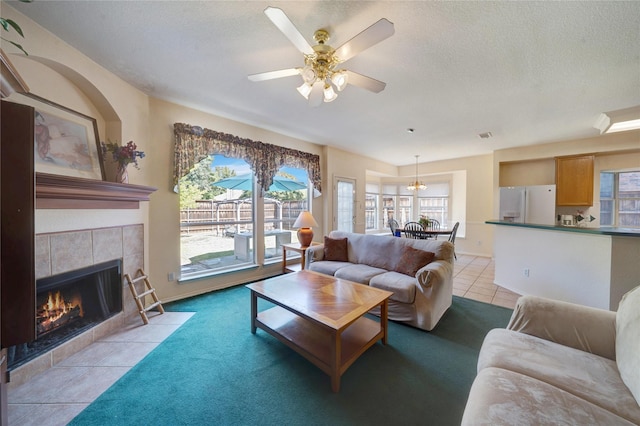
<point x="304" y="222"/>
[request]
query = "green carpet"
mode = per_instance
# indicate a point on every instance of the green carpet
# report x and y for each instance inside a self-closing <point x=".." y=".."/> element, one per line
<point x="213" y="371"/>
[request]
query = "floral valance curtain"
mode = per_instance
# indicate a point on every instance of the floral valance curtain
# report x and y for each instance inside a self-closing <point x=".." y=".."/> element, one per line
<point x="194" y="143"/>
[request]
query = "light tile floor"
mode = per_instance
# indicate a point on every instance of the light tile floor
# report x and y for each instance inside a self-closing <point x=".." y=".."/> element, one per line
<point x="473" y="278"/>
<point x="88" y="373"/>
<point x="57" y="395"/>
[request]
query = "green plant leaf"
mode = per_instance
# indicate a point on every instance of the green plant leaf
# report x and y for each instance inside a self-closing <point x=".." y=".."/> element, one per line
<point x="16" y="45"/>
<point x="6" y="23"/>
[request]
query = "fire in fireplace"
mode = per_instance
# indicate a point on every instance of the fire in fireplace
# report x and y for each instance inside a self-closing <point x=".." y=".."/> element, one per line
<point x="69" y="304"/>
<point x="58" y="310"/>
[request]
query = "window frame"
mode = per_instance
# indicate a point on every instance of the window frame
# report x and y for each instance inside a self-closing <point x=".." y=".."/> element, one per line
<point x="257" y="253"/>
<point x="617" y="201"/>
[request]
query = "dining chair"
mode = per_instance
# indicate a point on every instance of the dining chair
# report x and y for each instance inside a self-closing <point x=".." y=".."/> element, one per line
<point x="434" y="224"/>
<point x="413" y="230"/>
<point x="452" y="238"/>
<point x="393" y="225"/>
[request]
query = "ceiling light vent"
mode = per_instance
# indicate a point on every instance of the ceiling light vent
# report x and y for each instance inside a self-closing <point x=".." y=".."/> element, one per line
<point x="485" y="135"/>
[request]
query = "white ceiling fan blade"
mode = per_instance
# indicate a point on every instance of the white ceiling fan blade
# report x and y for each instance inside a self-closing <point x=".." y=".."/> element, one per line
<point x="365" y="82"/>
<point x="374" y="34"/>
<point x="270" y="75"/>
<point x="284" y="24"/>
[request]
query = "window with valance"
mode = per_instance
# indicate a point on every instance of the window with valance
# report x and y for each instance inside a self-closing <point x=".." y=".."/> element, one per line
<point x="193" y="143"/>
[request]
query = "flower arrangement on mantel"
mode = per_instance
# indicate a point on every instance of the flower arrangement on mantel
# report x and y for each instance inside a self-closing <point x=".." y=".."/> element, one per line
<point x="123" y="155"/>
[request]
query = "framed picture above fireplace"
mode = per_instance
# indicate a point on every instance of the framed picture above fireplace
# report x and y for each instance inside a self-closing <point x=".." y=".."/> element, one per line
<point x="66" y="141"/>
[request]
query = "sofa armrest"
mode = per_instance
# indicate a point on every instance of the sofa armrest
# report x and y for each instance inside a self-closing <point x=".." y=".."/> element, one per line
<point x="314" y="254"/>
<point x="434" y="271"/>
<point x="581" y="327"/>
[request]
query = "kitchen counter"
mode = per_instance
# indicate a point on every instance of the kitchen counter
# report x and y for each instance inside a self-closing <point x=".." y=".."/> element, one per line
<point x="589" y="266"/>
<point x="603" y="230"/>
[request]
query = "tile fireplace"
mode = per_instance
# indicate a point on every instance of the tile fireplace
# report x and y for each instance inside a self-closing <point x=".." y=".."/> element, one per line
<point x="61" y="253"/>
<point x="69" y="304"/>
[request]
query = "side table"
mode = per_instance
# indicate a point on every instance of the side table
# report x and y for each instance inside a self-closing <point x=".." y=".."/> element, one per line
<point x="294" y="247"/>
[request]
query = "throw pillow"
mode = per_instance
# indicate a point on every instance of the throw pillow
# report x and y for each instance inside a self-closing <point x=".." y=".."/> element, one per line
<point x="335" y="249"/>
<point x="412" y="260"/>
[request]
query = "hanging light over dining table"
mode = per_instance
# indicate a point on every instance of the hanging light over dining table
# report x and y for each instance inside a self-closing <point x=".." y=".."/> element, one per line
<point x="416" y="184"/>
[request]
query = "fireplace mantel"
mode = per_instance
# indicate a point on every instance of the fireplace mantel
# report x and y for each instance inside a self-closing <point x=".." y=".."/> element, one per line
<point x="65" y="192"/>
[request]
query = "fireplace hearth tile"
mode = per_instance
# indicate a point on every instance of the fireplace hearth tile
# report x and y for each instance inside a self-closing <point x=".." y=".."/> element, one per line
<point x="140" y="333"/>
<point x="28" y="371"/>
<point x="43" y="256"/>
<point x="108" y="327"/>
<point x="111" y="354"/>
<point x="70" y="251"/>
<point x="177" y="318"/>
<point x="133" y="240"/>
<point x="32" y="403"/>
<point x="107" y="244"/>
<point x="70" y="347"/>
<point x="43" y="414"/>
<point x="81" y="384"/>
<point x="132" y="263"/>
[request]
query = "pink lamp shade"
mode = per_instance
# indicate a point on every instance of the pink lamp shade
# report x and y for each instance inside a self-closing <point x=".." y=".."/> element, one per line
<point x="304" y="222"/>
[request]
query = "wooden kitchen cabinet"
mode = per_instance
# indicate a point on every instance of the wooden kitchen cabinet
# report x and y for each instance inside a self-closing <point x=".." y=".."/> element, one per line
<point x="574" y="180"/>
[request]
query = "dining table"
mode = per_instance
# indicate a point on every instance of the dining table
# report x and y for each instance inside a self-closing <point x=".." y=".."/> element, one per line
<point x="425" y="233"/>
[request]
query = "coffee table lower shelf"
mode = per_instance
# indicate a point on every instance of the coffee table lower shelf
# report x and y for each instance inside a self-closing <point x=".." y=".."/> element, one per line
<point x="316" y="343"/>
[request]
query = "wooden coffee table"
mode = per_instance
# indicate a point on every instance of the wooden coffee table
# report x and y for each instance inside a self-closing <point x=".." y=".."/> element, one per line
<point x="321" y="318"/>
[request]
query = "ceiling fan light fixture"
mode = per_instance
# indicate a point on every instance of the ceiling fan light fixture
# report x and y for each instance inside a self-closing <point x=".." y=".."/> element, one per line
<point x="316" y="96"/>
<point x="304" y="90"/>
<point x="329" y="94"/>
<point x="340" y="78"/>
<point x="321" y="60"/>
<point x="309" y="74"/>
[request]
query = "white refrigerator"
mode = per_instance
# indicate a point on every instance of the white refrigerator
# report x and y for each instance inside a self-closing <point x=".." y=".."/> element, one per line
<point x="528" y="204"/>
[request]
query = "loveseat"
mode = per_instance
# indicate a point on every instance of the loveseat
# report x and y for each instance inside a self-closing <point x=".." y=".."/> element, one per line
<point x="560" y="363"/>
<point x="418" y="272"/>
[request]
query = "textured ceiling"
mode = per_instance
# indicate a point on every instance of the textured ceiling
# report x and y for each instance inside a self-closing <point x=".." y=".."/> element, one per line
<point x="528" y="72"/>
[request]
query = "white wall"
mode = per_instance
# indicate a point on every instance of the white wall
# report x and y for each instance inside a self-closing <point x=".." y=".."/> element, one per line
<point x="584" y="268"/>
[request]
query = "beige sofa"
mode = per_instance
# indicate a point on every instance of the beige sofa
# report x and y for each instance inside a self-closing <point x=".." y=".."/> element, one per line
<point x="419" y="300"/>
<point x="560" y="363"/>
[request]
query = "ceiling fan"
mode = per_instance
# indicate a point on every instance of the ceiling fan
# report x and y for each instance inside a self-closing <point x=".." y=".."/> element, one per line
<point x="320" y="74"/>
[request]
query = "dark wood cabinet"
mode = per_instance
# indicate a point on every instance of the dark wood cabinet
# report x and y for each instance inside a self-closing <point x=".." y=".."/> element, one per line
<point x="574" y="180"/>
<point x="17" y="251"/>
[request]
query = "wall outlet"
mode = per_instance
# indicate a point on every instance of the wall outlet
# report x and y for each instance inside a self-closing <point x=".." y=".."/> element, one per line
<point x="525" y="272"/>
<point x="171" y="276"/>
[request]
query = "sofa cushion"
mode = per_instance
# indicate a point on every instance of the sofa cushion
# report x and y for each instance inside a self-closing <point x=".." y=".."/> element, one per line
<point x="503" y="397"/>
<point x="358" y="273"/>
<point x="583" y="374"/>
<point x="412" y="260"/>
<point x="327" y="267"/>
<point x="335" y="249"/>
<point x="402" y="286"/>
<point x="628" y="341"/>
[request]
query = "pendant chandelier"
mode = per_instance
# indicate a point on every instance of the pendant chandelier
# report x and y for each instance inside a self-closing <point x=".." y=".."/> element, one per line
<point x="416" y="184"/>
